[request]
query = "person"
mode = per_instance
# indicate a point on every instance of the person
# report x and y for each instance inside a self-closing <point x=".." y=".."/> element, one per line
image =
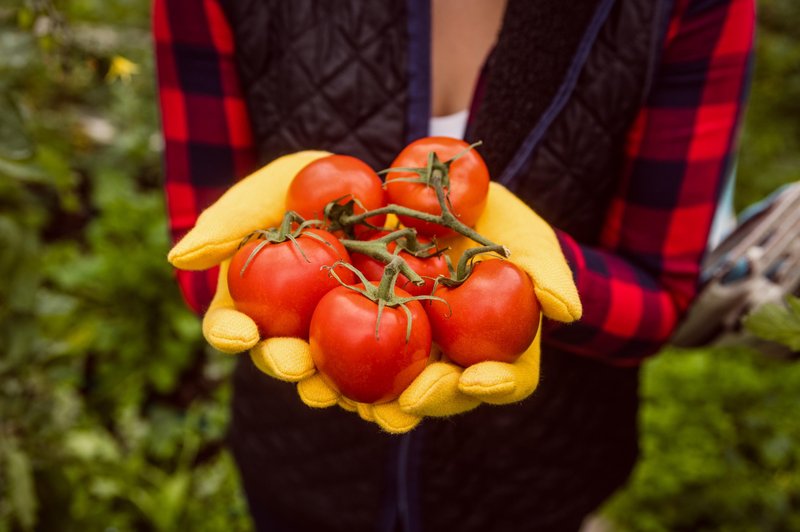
<point x="615" y="121"/>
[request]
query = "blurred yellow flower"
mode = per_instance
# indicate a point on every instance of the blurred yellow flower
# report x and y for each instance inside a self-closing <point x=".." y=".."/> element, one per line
<point x="121" y="68"/>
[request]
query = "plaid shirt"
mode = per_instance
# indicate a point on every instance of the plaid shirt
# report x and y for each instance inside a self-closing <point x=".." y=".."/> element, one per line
<point x="635" y="285"/>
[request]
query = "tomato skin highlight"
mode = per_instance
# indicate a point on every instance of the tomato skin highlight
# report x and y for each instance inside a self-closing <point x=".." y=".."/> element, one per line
<point x="332" y="178"/>
<point x="280" y="288"/>
<point x="467" y="192"/>
<point x="493" y="315"/>
<point x="427" y="267"/>
<point x="352" y="360"/>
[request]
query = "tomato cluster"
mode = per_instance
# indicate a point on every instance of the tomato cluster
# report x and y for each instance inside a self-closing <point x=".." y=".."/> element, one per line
<point x="369" y="299"/>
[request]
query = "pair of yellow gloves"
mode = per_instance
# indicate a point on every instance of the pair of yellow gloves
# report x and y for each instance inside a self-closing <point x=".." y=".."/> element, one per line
<point x="442" y="389"/>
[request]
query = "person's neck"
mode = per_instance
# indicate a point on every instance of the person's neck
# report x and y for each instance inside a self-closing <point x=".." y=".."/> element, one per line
<point x="463" y="34"/>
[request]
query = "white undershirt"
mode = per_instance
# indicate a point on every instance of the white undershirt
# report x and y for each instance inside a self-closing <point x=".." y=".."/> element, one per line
<point x="452" y="125"/>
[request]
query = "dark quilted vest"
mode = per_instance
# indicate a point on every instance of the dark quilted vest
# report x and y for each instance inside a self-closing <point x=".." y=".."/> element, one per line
<point x="559" y="93"/>
<point x="324" y="74"/>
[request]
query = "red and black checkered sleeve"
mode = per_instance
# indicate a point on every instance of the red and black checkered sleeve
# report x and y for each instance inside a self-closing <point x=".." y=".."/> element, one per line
<point x="638" y="282"/>
<point x="207" y="137"/>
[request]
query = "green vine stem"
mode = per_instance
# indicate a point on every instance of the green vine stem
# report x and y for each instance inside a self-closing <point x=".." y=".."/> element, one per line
<point x="389" y="279"/>
<point x="281" y="233"/>
<point x="446" y="219"/>
<point x="465" y="262"/>
<point x="436" y="175"/>
<point x="377" y="250"/>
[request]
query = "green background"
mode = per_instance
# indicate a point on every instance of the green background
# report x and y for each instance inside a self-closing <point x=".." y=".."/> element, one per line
<point x="113" y="410"/>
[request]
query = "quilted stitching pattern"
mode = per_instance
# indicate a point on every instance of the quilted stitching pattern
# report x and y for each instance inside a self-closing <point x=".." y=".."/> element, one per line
<point x="571" y="174"/>
<point x="580" y="142"/>
<point x="335" y="80"/>
<point x="579" y="404"/>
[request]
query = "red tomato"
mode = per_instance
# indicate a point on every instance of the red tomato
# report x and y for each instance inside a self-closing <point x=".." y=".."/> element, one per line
<point x="427" y="267"/>
<point x="350" y="357"/>
<point x="469" y="183"/>
<point x="331" y="178"/>
<point x="280" y="288"/>
<point x="493" y="315"/>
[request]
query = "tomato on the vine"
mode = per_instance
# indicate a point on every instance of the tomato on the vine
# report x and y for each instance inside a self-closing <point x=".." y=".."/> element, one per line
<point x="428" y="267"/>
<point x="493" y="315"/>
<point x="336" y="177"/>
<point x="284" y="281"/>
<point x="466" y="192"/>
<point x="363" y="365"/>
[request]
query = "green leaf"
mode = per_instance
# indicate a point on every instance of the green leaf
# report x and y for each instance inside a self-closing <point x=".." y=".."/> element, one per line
<point x="22" y="171"/>
<point x="794" y="304"/>
<point x="19" y="477"/>
<point x="91" y="445"/>
<point x="15" y="144"/>
<point x="173" y="495"/>
<point x="164" y="500"/>
<point x="25" y="18"/>
<point x="778" y="323"/>
<point x="17" y="48"/>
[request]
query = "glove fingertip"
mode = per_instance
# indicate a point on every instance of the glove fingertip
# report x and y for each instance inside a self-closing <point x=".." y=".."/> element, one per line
<point x="421" y="398"/>
<point x="488" y="390"/>
<point x="501" y="383"/>
<point x="289" y="359"/>
<point x="258" y="362"/>
<point x="229" y="331"/>
<point x="488" y="379"/>
<point x="564" y="308"/>
<point x="365" y="412"/>
<point x="347" y="404"/>
<point x="392" y="428"/>
<point x="192" y="254"/>
<point x="316" y="393"/>
<point x="435" y="393"/>
<point x="392" y="419"/>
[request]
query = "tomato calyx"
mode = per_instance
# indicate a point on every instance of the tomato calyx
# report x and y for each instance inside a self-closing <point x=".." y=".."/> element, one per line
<point x="436" y="175"/>
<point x="292" y="226"/>
<point x="383" y="294"/>
<point x="466" y="263"/>
<point x="337" y="215"/>
<point x="434" y="172"/>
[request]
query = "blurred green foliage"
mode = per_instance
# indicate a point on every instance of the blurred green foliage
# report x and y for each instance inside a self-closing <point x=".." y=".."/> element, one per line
<point x="778" y="323"/>
<point x="112" y="410"/>
<point x="720" y="445"/>
<point x="770" y="143"/>
<point x="720" y="428"/>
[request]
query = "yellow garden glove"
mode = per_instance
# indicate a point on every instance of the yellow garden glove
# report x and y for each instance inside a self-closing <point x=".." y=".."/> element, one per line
<point x="255" y="202"/>
<point x="442" y="389"/>
<point x="534" y="248"/>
